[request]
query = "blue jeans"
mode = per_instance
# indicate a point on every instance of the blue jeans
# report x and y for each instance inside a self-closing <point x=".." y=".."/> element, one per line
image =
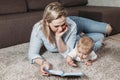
<point x="94" y="29"/>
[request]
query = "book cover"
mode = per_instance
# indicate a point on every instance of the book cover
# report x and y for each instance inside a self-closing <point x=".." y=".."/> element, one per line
<point x="63" y="74"/>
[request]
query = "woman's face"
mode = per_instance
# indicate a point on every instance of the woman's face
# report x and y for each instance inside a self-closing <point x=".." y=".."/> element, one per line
<point x="58" y="25"/>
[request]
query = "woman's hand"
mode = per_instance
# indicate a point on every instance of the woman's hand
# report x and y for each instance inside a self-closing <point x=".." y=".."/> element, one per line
<point x="61" y="33"/>
<point x="43" y="66"/>
<point x="61" y="45"/>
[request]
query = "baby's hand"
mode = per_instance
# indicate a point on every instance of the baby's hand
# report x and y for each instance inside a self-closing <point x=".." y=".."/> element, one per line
<point x="70" y="61"/>
<point x="89" y="63"/>
<point x="82" y="33"/>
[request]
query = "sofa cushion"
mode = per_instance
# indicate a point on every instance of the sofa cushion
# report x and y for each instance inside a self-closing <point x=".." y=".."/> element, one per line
<point x="16" y="29"/>
<point x="12" y="6"/>
<point x="68" y="3"/>
<point x="104" y="14"/>
<point x="72" y="11"/>
<point x="38" y="4"/>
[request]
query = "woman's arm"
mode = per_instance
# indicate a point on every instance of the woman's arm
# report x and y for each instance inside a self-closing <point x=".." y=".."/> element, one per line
<point x="68" y="44"/>
<point x="34" y="51"/>
<point x="59" y="41"/>
<point x="35" y="45"/>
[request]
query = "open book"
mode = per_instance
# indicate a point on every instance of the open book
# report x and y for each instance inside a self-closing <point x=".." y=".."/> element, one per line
<point x="62" y="74"/>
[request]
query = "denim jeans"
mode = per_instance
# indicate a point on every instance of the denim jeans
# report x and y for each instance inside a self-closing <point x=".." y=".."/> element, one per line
<point x="94" y="29"/>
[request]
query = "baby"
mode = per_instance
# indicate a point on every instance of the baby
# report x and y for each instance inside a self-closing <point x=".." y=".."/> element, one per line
<point x="83" y="52"/>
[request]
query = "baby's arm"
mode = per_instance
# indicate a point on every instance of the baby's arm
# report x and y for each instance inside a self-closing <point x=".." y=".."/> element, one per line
<point x="89" y="62"/>
<point x="70" y="61"/>
<point x="91" y="59"/>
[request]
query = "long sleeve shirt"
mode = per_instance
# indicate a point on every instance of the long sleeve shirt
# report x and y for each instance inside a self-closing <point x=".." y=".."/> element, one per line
<point x="38" y="39"/>
<point x="73" y="54"/>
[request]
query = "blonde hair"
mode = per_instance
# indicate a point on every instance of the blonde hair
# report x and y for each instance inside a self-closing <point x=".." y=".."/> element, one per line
<point x="86" y="42"/>
<point x="48" y="17"/>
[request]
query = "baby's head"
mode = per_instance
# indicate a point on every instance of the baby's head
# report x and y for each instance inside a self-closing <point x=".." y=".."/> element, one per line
<point x="85" y="46"/>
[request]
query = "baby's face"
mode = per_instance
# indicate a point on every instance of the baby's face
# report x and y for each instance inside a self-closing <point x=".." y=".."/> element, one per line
<point x="82" y="52"/>
<point x="83" y="56"/>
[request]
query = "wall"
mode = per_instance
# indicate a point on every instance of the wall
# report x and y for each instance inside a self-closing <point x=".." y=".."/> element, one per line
<point x="113" y="3"/>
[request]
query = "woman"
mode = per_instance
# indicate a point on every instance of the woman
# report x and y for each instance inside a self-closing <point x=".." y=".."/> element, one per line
<point x="57" y="33"/>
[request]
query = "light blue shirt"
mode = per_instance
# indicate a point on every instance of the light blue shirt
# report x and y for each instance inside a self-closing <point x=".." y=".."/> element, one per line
<point x="38" y="39"/>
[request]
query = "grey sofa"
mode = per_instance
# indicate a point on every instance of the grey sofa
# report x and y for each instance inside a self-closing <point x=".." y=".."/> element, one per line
<point x="17" y="17"/>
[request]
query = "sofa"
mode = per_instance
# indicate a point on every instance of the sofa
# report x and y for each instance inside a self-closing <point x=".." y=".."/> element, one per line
<point x="17" y="17"/>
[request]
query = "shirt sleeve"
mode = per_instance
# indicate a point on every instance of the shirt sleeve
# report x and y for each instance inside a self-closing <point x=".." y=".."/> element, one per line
<point x="35" y="45"/>
<point x="70" y="42"/>
<point x="92" y="56"/>
<point x="72" y="53"/>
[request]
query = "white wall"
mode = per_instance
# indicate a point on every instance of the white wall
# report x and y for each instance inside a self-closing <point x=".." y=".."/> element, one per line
<point x="113" y="3"/>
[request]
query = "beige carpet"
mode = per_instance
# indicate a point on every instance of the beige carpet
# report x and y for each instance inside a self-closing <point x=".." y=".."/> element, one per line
<point x="14" y="64"/>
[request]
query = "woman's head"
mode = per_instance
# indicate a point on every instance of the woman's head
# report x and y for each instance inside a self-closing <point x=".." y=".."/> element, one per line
<point x="85" y="45"/>
<point x="53" y="17"/>
<point x="54" y="11"/>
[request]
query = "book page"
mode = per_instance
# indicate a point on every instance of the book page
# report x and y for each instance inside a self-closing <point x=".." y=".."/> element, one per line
<point x="73" y="74"/>
<point x="61" y="73"/>
<point x="55" y="72"/>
